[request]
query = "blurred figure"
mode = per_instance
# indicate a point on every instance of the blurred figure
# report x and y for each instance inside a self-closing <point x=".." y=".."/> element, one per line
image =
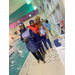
<point x="42" y="20"/>
<point x="48" y="25"/>
<point x="27" y="36"/>
<point x="38" y="39"/>
<point x="43" y="32"/>
<point x="11" y="36"/>
<point x="20" y="31"/>
<point x="10" y="46"/>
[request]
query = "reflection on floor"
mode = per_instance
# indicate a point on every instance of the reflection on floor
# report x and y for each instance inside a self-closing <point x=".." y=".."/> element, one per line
<point x="10" y="42"/>
<point x="53" y="64"/>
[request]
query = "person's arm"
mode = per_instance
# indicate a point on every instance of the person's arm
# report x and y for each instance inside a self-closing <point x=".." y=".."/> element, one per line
<point x="32" y="28"/>
<point x="50" y="30"/>
<point x="51" y="33"/>
<point x="21" y="38"/>
<point x="26" y="27"/>
<point x="46" y="30"/>
<point x="32" y="35"/>
<point x="40" y="34"/>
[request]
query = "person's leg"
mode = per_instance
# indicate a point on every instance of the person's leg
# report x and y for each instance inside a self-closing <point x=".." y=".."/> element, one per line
<point x="50" y="33"/>
<point x="44" y="41"/>
<point x="40" y="57"/>
<point x="49" y="43"/>
<point x="38" y="45"/>
<point x="34" y="54"/>
<point x="42" y="47"/>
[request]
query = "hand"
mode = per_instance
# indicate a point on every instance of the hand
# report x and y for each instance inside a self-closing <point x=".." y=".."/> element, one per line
<point x="41" y="34"/>
<point x="35" y="31"/>
<point x="41" y="23"/>
<point x="25" y="39"/>
<point x="47" y="37"/>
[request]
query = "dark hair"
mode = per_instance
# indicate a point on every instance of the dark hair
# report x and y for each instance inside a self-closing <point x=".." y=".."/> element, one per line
<point x="46" y="21"/>
<point x="41" y="19"/>
<point x="31" y="21"/>
<point x="21" y="24"/>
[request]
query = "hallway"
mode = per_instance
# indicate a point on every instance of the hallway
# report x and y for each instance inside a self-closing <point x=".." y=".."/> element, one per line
<point x="53" y="64"/>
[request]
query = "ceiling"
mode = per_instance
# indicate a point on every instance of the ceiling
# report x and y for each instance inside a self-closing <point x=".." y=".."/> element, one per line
<point x="19" y="8"/>
<point x="14" y="5"/>
<point x="21" y="12"/>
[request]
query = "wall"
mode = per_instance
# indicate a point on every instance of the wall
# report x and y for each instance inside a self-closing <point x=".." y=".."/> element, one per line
<point x="11" y="31"/>
<point x="59" y="15"/>
<point x="64" y="2"/>
<point x="42" y="16"/>
<point x="10" y="39"/>
<point x="14" y="30"/>
<point x="24" y="18"/>
<point x="62" y="8"/>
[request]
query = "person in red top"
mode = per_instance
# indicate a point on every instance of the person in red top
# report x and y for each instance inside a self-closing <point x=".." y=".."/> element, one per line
<point x="34" y="27"/>
<point x="38" y="39"/>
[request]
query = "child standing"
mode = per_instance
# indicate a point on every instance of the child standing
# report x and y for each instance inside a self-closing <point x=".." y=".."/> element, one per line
<point x="48" y="25"/>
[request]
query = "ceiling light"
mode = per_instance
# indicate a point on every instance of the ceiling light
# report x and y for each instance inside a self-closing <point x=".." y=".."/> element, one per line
<point x="28" y="1"/>
<point x="29" y="15"/>
<point x="34" y="7"/>
<point x="18" y="21"/>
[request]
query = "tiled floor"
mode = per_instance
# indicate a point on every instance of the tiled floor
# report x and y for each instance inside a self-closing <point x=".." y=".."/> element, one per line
<point x="51" y="68"/>
<point x="53" y="64"/>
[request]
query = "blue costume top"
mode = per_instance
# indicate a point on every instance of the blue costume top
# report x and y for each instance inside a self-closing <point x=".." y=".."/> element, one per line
<point x="48" y="25"/>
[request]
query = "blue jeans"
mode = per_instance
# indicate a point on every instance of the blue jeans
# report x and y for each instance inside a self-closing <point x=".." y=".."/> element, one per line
<point x="40" y="47"/>
<point x="46" y="40"/>
<point x="39" y="43"/>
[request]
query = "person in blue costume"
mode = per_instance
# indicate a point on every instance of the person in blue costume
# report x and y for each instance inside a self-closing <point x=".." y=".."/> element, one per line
<point x="37" y="38"/>
<point x="48" y="25"/>
<point x="27" y="36"/>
